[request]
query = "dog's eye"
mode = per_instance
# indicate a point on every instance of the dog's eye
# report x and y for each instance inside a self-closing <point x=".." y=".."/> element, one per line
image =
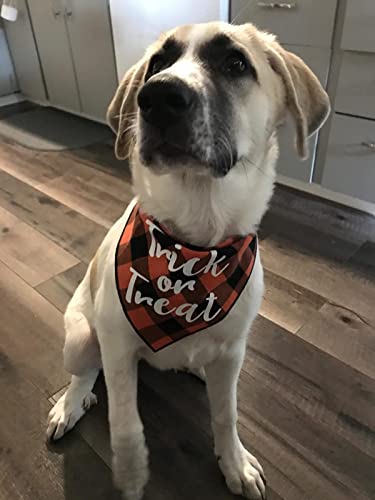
<point x="236" y="64"/>
<point x="157" y="64"/>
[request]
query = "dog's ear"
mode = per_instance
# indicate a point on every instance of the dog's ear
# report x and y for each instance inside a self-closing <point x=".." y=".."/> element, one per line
<point x="305" y="97"/>
<point x="121" y="114"/>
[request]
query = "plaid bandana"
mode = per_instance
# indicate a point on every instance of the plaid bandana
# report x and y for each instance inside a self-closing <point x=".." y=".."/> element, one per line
<point x="170" y="290"/>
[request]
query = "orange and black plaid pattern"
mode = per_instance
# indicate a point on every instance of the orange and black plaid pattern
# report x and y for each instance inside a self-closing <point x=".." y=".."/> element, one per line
<point x="138" y="276"/>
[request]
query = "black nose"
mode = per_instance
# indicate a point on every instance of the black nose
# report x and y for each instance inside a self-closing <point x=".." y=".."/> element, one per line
<point x="164" y="102"/>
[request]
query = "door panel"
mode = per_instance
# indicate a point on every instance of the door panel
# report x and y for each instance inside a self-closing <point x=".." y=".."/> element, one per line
<point x="51" y="35"/>
<point x="350" y="161"/>
<point x="92" y="48"/>
<point x="356" y="86"/>
<point x="297" y="22"/>
<point x="25" y="56"/>
<point x="359" y="32"/>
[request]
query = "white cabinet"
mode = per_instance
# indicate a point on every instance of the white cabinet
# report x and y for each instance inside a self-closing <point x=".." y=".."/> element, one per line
<point x="24" y="54"/>
<point x="7" y="78"/>
<point x="74" y="40"/>
<point x="359" y="26"/>
<point x="356" y="85"/>
<point x="48" y="18"/>
<point x="70" y="41"/>
<point x="296" y="22"/>
<point x="90" y="36"/>
<point x="349" y="166"/>
<point x="350" y="161"/>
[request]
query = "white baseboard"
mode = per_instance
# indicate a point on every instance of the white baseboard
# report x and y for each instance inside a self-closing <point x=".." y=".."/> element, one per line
<point x="6" y="100"/>
<point x="318" y="190"/>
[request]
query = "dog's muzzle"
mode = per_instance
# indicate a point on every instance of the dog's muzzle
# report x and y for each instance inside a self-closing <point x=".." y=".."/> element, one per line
<point x="167" y="108"/>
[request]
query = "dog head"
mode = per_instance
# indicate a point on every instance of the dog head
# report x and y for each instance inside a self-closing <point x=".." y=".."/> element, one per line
<point x="205" y="96"/>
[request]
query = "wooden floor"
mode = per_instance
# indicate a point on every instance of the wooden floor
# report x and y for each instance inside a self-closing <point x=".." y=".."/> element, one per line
<point x="307" y="390"/>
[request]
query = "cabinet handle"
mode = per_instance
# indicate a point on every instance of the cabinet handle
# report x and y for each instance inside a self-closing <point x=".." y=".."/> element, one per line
<point x="369" y="145"/>
<point x="56" y="14"/>
<point x="68" y="12"/>
<point x="277" y="5"/>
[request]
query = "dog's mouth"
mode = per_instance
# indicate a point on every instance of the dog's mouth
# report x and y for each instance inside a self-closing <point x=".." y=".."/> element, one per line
<point x="167" y="153"/>
<point x="175" y="149"/>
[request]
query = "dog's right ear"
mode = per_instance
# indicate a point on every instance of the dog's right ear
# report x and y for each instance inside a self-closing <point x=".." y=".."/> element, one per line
<point x="122" y="111"/>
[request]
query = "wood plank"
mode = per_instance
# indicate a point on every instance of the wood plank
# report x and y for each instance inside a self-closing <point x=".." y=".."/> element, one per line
<point x="30" y="470"/>
<point x="294" y="414"/>
<point x="331" y="280"/>
<point x="32" y="256"/>
<point x="7" y="221"/>
<point x="287" y="304"/>
<point x="363" y="261"/>
<point x="175" y="413"/>
<point x="69" y="229"/>
<point x="102" y="157"/>
<point x="98" y="196"/>
<point x="344" y="335"/>
<point x="31" y="332"/>
<point x="310" y="241"/>
<point x="326" y="216"/>
<point x="31" y="167"/>
<point x="59" y="289"/>
<point x="333" y="388"/>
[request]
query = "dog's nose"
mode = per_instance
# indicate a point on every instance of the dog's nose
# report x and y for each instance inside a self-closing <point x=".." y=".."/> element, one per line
<point x="165" y="102"/>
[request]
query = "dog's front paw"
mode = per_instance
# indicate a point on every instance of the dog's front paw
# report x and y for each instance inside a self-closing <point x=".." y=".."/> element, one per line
<point x="243" y="474"/>
<point x="67" y="411"/>
<point x="130" y="466"/>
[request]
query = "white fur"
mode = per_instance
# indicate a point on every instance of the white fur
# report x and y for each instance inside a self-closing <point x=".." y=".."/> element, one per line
<point x="202" y="210"/>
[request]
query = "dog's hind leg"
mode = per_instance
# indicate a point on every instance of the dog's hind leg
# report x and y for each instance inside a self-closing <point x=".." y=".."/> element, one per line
<point x="82" y="359"/>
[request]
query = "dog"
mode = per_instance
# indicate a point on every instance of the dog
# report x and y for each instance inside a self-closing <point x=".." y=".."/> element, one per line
<point x="197" y="117"/>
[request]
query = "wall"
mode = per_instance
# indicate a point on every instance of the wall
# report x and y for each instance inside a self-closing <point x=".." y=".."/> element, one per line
<point x="137" y="23"/>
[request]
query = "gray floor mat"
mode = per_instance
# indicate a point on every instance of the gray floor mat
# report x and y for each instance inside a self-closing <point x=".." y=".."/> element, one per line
<point x="48" y="129"/>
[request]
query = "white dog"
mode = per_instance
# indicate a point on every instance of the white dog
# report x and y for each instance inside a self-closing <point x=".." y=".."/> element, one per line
<point x="178" y="280"/>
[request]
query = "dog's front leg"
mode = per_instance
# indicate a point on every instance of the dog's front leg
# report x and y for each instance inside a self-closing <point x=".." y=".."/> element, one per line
<point x="242" y="471"/>
<point x="130" y="454"/>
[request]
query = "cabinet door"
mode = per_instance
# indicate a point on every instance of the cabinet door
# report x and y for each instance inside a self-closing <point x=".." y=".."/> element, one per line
<point x="7" y="78"/>
<point x="350" y="161"/>
<point x="359" y="26"/>
<point x="25" y="56"/>
<point x="90" y="36"/>
<point x="356" y="86"/>
<point x="297" y="22"/>
<point x="54" y="50"/>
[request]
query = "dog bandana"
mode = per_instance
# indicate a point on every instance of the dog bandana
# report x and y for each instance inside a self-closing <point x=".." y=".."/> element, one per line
<point x="169" y="289"/>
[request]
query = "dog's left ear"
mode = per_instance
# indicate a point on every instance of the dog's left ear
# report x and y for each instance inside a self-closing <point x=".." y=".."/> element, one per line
<point x="122" y="111"/>
<point x="306" y="99"/>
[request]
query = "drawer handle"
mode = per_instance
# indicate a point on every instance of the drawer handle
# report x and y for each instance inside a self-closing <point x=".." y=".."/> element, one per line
<point x="277" y="5"/>
<point x="369" y="145"/>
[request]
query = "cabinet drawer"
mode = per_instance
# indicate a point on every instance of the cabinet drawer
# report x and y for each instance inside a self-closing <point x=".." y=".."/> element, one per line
<point x="350" y="161"/>
<point x="289" y="164"/>
<point x="359" y="32"/>
<point x="356" y="87"/>
<point x="299" y="22"/>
